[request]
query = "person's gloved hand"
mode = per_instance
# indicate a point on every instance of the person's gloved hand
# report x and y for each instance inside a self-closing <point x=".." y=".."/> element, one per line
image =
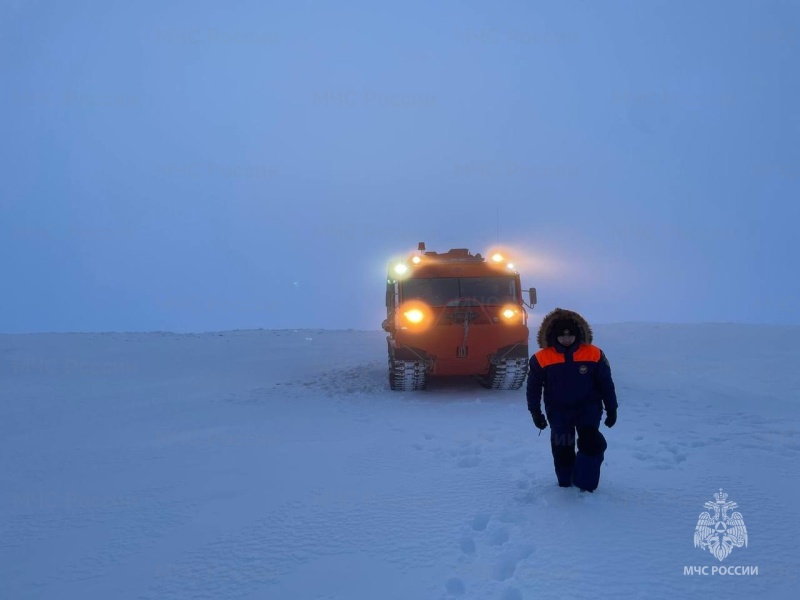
<point x="611" y="417"/>
<point x="539" y="421"/>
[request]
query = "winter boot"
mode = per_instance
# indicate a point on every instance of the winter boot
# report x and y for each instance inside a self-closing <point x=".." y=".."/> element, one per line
<point x="591" y="452"/>
<point x="564" y="477"/>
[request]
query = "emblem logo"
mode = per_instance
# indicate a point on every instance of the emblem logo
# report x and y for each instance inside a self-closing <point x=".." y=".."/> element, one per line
<point x="584" y="369"/>
<point x="721" y="533"/>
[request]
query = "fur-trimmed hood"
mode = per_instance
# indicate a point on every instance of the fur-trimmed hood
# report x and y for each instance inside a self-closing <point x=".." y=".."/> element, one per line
<point x="545" y="339"/>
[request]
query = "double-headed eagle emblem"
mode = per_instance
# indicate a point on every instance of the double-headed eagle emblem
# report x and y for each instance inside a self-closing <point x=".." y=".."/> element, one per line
<point x="720" y="533"/>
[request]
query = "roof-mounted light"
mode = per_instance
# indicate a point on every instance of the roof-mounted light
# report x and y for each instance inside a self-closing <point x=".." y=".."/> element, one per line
<point x="497" y="257"/>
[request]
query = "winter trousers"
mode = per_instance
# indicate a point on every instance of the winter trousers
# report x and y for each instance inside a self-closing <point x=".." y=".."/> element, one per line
<point x="583" y="468"/>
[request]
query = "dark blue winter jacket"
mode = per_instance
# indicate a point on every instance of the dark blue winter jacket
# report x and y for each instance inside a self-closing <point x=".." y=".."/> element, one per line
<point x="573" y="379"/>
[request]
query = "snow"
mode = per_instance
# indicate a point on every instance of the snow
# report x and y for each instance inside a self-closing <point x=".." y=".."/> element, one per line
<point x="277" y="464"/>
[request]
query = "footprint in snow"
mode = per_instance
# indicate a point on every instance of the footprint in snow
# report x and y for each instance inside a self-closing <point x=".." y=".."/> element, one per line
<point x="509" y="561"/>
<point x="480" y="521"/>
<point x="469" y="455"/>
<point x="498" y="537"/>
<point x="677" y="455"/>
<point x="509" y="556"/>
<point x="467" y="545"/>
<point x="665" y="456"/>
<point x="455" y="586"/>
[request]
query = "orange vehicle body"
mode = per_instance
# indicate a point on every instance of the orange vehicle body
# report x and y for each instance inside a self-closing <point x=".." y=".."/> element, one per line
<point x="455" y="313"/>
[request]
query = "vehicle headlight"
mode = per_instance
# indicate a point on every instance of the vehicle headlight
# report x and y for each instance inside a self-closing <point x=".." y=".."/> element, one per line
<point x="400" y="269"/>
<point x="414" y="315"/>
<point x="510" y="312"/>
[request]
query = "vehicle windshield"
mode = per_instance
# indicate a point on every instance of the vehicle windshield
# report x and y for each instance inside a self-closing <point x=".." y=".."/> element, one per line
<point x="461" y="291"/>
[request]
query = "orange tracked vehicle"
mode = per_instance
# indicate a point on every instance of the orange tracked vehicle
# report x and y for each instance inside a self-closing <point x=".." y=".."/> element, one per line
<point x="456" y="313"/>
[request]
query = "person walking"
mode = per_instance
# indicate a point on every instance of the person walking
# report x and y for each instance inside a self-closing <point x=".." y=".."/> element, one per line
<point x="575" y="377"/>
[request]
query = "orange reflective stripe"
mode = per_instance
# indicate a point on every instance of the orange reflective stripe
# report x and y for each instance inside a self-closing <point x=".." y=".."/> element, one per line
<point x="587" y="353"/>
<point x="549" y="356"/>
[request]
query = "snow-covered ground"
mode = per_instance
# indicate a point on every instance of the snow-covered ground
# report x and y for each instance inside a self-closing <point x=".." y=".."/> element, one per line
<point x="277" y="464"/>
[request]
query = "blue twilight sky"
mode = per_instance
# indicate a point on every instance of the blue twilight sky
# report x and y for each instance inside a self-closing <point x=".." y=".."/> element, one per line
<point x="198" y="165"/>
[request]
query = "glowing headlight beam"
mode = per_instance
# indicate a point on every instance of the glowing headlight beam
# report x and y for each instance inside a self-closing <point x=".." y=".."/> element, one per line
<point x="400" y="269"/>
<point x="414" y="315"/>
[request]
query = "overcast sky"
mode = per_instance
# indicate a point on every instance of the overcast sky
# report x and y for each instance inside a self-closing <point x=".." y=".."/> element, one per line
<point x="196" y="165"/>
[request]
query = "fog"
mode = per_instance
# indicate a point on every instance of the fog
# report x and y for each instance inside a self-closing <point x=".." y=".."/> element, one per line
<point x="206" y="166"/>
